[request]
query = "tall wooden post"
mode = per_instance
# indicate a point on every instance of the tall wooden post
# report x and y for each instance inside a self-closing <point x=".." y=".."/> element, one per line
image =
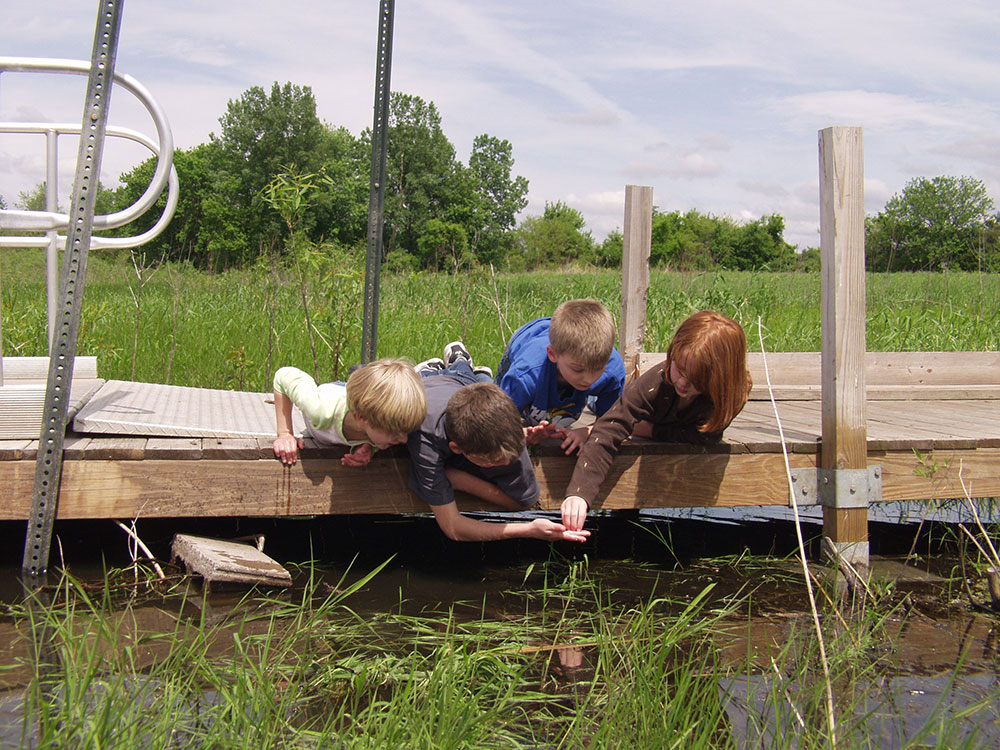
<point x="635" y="274"/>
<point x="843" y="464"/>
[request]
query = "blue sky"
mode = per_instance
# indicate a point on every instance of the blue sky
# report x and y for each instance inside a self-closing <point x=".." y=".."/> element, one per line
<point x="716" y="105"/>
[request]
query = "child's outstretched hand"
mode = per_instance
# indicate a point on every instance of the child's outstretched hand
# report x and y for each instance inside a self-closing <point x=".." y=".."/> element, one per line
<point x="543" y="528"/>
<point x="574" y="512"/>
<point x="286" y="448"/>
<point x="537" y="433"/>
<point x="359" y="456"/>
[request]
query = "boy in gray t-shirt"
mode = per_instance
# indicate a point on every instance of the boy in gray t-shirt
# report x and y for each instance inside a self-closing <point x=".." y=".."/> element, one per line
<point x="472" y="441"/>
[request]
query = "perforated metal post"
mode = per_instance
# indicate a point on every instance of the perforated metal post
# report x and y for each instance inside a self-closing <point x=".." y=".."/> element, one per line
<point x="48" y="465"/>
<point x="376" y="195"/>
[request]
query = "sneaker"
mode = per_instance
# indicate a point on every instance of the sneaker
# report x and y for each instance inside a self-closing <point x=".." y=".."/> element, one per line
<point x="483" y="370"/>
<point x="455" y="351"/>
<point x="434" y="363"/>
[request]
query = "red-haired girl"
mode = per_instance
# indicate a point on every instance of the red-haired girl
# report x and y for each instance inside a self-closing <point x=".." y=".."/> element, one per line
<point x="691" y="397"/>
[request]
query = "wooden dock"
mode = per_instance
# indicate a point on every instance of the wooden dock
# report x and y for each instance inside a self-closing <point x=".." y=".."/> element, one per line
<point x="933" y="422"/>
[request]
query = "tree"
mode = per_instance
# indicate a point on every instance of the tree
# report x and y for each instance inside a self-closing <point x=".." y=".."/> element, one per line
<point x="500" y="198"/>
<point x="934" y="224"/>
<point x="262" y="135"/>
<point x="422" y="176"/>
<point x="554" y="238"/>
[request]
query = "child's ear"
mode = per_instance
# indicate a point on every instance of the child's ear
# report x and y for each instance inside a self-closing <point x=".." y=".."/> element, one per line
<point x="453" y="447"/>
<point x="553" y="357"/>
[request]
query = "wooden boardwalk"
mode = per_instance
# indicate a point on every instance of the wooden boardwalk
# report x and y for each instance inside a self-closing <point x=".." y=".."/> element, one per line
<point x="933" y="422"/>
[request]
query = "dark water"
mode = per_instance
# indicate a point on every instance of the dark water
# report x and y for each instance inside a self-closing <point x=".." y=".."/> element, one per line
<point x="633" y="555"/>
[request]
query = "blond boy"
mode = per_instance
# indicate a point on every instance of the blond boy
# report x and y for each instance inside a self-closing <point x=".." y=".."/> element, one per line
<point x="380" y="404"/>
<point x="553" y="367"/>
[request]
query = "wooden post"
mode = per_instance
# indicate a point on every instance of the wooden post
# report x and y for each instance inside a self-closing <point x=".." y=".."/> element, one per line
<point x="635" y="274"/>
<point x="842" y="251"/>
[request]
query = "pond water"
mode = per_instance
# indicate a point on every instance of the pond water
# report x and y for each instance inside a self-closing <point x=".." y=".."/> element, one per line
<point x="631" y="558"/>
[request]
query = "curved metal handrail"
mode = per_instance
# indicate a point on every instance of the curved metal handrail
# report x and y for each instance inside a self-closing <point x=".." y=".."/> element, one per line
<point x="164" y="175"/>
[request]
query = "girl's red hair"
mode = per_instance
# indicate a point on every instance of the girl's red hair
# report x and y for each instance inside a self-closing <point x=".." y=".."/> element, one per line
<point x="711" y="351"/>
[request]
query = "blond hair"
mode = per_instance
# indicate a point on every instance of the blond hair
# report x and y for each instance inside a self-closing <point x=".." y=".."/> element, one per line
<point x="482" y="421"/>
<point x="711" y="351"/>
<point x="585" y="330"/>
<point x="387" y="394"/>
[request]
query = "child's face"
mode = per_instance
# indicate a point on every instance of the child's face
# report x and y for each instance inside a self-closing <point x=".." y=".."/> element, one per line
<point x="680" y="382"/>
<point x="573" y="372"/>
<point x="383" y="440"/>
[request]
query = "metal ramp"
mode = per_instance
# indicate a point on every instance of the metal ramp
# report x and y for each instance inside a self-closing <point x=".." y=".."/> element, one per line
<point x="126" y="408"/>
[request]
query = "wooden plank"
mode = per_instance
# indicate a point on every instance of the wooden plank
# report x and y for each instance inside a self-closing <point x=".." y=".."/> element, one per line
<point x="238" y="449"/>
<point x="174" y="449"/>
<point x="219" y="560"/>
<point x="13" y="450"/>
<point x="150" y="488"/>
<point x="938" y="474"/>
<point x="637" y="241"/>
<point x="115" y="449"/>
<point x="75" y="446"/>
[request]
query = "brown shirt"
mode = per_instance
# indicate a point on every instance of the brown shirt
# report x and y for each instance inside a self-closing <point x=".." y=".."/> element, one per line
<point x="648" y="398"/>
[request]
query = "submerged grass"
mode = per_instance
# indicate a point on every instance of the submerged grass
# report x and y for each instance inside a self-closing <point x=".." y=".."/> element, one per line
<point x="232" y="330"/>
<point x="561" y="662"/>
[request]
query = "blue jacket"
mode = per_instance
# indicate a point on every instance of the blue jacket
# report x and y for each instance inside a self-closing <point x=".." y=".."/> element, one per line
<point x="529" y="377"/>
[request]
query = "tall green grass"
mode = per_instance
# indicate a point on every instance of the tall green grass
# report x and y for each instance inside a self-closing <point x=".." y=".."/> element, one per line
<point x="233" y="330"/>
<point x="562" y="662"/>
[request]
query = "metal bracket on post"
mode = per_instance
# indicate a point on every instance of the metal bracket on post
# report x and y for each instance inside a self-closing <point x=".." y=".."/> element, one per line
<point x="837" y="488"/>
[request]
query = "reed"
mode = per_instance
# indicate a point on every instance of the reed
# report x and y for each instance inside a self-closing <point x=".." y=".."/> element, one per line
<point x="232" y="330"/>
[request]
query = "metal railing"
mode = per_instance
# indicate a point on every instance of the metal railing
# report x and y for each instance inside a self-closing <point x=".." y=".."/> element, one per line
<point x="50" y="221"/>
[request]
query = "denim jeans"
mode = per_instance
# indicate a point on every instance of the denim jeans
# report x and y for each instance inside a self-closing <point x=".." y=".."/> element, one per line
<point x="461" y="370"/>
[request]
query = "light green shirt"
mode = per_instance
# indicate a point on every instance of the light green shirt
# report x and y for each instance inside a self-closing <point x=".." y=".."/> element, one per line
<point x="323" y="406"/>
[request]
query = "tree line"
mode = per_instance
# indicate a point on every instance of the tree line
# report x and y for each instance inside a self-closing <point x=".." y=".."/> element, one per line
<point x="274" y="160"/>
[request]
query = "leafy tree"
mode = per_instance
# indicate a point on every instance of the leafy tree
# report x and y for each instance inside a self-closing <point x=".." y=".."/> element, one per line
<point x="554" y="238"/>
<point x="443" y="241"/>
<point x="423" y="177"/>
<point x="500" y="197"/>
<point x="262" y="135"/>
<point x="682" y="242"/>
<point x="934" y="224"/>
<point x="609" y="253"/>
<point x="189" y="233"/>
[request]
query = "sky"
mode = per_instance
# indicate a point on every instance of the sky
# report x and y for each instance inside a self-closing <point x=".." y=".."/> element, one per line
<point x="716" y="105"/>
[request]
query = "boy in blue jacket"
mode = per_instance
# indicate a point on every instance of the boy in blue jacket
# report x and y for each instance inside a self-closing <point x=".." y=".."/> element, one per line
<point x="553" y="367"/>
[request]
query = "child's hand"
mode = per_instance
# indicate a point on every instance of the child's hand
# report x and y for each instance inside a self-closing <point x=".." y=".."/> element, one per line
<point x="359" y="456"/>
<point x="287" y="447"/>
<point x="537" y="433"/>
<point x="543" y="528"/>
<point x="574" y="512"/>
<point x="572" y="440"/>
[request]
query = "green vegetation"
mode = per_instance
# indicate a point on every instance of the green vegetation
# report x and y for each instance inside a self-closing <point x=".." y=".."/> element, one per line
<point x="232" y="330"/>
<point x="562" y="661"/>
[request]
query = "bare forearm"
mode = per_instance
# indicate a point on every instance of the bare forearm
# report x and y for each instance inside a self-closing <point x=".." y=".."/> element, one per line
<point x="479" y="487"/>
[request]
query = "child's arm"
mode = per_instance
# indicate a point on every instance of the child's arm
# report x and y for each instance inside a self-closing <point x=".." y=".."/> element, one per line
<point x="464" y="529"/>
<point x="481" y="488"/>
<point x="286" y="445"/>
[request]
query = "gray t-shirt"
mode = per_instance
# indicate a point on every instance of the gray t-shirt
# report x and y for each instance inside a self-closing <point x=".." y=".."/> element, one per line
<point x="430" y="455"/>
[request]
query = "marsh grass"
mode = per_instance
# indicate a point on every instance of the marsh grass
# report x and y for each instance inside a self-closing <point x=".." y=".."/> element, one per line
<point x="232" y="330"/>
<point x="562" y="661"/>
